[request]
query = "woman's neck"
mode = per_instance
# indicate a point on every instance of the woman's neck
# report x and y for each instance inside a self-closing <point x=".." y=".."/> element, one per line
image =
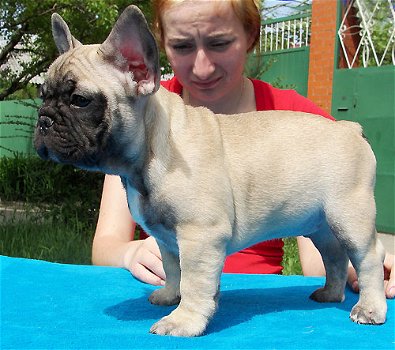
<point x="239" y="100"/>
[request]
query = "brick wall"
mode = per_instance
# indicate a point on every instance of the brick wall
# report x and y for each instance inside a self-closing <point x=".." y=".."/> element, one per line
<point x="322" y="51"/>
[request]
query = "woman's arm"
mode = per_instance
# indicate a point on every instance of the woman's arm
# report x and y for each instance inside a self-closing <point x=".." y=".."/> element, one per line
<point x="310" y="258"/>
<point x="113" y="243"/>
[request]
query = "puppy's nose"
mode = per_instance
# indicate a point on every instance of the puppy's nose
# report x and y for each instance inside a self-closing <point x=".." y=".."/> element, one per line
<point x="44" y="123"/>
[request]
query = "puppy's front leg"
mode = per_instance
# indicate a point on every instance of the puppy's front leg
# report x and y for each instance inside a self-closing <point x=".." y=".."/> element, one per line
<point x="202" y="254"/>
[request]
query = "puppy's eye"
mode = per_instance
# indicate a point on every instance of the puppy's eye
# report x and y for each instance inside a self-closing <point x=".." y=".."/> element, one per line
<point x="79" y="101"/>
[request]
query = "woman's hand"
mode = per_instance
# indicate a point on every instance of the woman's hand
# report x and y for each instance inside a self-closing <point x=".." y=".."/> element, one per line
<point x="144" y="261"/>
<point x="389" y="277"/>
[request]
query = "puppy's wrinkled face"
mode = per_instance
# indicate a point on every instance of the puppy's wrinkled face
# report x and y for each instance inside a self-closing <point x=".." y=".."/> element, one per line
<point x="72" y="121"/>
<point x="91" y="89"/>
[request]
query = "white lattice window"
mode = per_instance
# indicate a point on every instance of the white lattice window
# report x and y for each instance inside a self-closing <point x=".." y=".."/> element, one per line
<point x="367" y="33"/>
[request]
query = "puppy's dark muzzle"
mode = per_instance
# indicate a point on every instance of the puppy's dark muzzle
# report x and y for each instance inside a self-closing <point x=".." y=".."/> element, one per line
<point x="44" y="123"/>
<point x="42" y="151"/>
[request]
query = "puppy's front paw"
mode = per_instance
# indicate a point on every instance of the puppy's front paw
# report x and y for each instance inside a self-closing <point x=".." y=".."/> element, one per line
<point x="164" y="296"/>
<point x="180" y="324"/>
<point x="368" y="315"/>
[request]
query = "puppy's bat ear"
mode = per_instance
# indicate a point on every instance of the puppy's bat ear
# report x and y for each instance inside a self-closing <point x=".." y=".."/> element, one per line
<point x="62" y="36"/>
<point x="132" y="47"/>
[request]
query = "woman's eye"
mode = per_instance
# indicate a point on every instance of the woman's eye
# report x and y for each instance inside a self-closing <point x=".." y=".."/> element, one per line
<point x="183" y="47"/>
<point x="220" y="45"/>
<point x="79" y="101"/>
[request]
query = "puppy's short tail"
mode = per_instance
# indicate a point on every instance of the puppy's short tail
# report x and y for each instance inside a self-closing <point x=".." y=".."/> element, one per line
<point x="352" y="125"/>
<point x="355" y="126"/>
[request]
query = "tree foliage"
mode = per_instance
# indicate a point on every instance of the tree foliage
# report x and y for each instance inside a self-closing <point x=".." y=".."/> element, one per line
<point x="26" y="45"/>
<point x="283" y="8"/>
<point x="381" y="26"/>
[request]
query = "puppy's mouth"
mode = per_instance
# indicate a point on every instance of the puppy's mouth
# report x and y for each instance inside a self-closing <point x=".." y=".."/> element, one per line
<point x="77" y="158"/>
<point x="52" y="142"/>
<point x="86" y="163"/>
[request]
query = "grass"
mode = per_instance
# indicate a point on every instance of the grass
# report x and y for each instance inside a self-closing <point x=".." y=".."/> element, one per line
<point x="291" y="262"/>
<point x="65" y="201"/>
<point x="61" y="203"/>
<point x="46" y="241"/>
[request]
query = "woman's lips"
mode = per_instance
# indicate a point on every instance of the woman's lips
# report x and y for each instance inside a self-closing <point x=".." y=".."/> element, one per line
<point x="207" y="84"/>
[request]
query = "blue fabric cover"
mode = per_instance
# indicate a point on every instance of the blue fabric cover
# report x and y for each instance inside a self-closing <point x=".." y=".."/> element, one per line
<point x="46" y="305"/>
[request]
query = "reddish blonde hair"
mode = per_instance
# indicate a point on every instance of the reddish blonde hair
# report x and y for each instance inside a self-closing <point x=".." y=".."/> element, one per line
<point x="247" y="11"/>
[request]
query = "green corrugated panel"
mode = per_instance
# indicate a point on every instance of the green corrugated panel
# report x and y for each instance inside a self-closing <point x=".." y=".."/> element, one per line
<point x="283" y="68"/>
<point x="367" y="95"/>
<point x="288" y="68"/>
<point x="17" y="120"/>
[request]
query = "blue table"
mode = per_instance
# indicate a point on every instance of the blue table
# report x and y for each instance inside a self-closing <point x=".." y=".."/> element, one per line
<point x="46" y="305"/>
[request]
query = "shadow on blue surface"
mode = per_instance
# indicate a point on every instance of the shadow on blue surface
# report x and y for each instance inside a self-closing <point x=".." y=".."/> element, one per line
<point x="235" y="306"/>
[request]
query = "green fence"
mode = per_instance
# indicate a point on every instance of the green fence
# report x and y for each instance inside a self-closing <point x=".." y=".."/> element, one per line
<point x="288" y="68"/>
<point x="284" y="48"/>
<point x="17" y="121"/>
<point x="366" y="95"/>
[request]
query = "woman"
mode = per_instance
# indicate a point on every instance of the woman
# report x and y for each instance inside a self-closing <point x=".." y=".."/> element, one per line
<point x="206" y="43"/>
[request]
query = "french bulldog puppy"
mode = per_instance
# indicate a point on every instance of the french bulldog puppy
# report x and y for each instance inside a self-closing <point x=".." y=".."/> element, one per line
<point x="193" y="182"/>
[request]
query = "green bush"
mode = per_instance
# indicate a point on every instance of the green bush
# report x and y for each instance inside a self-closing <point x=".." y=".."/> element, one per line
<point x="60" y="209"/>
<point x="66" y="191"/>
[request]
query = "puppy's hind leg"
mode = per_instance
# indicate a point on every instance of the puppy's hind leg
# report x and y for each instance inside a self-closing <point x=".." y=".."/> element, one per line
<point x="353" y="222"/>
<point x="368" y="262"/>
<point x="335" y="261"/>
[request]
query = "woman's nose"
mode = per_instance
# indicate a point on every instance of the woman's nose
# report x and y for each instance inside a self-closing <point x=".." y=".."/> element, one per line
<point x="203" y="67"/>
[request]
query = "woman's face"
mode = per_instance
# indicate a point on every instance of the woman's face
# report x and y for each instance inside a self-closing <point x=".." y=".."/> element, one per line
<point x="206" y="45"/>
